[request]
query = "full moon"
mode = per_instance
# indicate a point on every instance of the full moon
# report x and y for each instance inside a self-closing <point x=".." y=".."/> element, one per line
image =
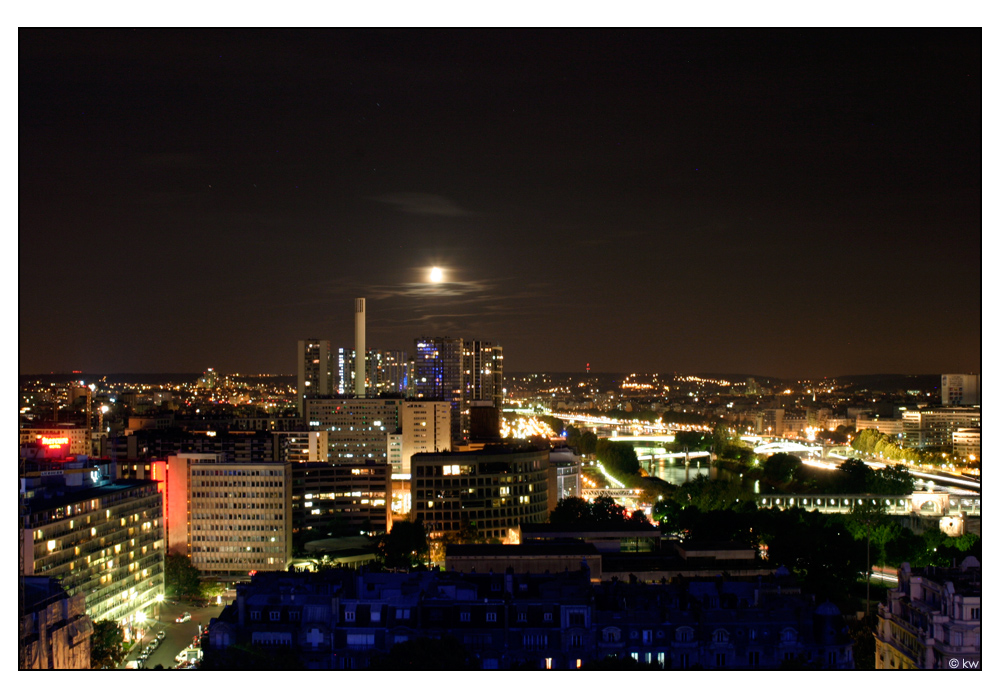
<point x="437" y="275"/>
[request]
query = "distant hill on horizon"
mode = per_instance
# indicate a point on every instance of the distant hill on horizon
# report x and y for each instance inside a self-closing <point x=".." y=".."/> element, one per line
<point x="888" y="382"/>
<point x="146" y="378"/>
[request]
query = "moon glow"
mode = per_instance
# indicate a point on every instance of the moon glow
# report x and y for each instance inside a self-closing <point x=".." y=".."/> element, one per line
<point x="437" y="275"/>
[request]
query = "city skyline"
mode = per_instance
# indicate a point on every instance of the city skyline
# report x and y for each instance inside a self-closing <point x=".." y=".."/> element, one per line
<point x="783" y="203"/>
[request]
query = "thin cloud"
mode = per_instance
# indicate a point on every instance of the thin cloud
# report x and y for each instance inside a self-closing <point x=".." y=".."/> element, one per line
<point x="446" y="289"/>
<point x="422" y="204"/>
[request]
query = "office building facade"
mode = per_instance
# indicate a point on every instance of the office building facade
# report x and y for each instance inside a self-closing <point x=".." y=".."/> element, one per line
<point x="357" y="428"/>
<point x="967" y="444"/>
<point x="934" y="426"/>
<point x="494" y="490"/>
<point x="229" y="518"/>
<point x="350" y="495"/>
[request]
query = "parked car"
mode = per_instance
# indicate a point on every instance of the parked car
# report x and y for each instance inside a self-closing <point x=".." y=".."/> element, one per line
<point x="160" y="635"/>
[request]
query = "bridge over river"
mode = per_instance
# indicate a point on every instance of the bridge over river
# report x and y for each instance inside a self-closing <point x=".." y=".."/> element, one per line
<point x="931" y="504"/>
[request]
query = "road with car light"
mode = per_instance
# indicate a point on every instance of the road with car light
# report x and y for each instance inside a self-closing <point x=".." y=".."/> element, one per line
<point x="176" y="636"/>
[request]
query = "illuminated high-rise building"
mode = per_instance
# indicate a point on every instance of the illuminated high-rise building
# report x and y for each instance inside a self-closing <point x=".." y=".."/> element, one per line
<point x="389" y="371"/>
<point x="462" y="372"/>
<point x="437" y="375"/>
<point x="482" y="381"/>
<point x="315" y="376"/>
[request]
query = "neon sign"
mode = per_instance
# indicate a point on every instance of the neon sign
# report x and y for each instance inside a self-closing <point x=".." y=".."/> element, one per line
<point x="54" y="441"/>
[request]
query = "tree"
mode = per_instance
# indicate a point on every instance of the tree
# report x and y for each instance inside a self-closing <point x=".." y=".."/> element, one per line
<point x="668" y="513"/>
<point x="210" y="590"/>
<point x="107" y="649"/>
<point x="854" y="478"/>
<point x="618" y="457"/>
<point x="557" y="425"/>
<point x="892" y="480"/>
<point x="868" y="517"/>
<point x="709" y="495"/>
<point x="181" y="578"/>
<point x="780" y="468"/>
<point x="404" y="546"/>
<point x="691" y="441"/>
<point x="570" y="511"/>
<point x="605" y="510"/>
<point x="817" y="547"/>
<point x="573" y="437"/>
<point x="721" y="438"/>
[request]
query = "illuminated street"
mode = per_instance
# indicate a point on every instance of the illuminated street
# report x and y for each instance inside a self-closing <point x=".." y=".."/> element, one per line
<point x="177" y="635"/>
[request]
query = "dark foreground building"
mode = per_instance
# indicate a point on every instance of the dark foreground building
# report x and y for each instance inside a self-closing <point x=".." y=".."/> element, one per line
<point x="54" y="631"/>
<point x="342" y="619"/>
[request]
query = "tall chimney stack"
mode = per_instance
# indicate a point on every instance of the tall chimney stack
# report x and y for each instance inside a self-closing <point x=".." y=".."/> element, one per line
<point x="359" y="347"/>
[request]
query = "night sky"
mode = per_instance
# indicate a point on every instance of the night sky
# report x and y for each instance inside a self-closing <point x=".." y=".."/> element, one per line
<point x="793" y="203"/>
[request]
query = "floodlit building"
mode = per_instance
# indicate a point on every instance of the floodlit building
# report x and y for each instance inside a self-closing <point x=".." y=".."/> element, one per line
<point x="103" y="539"/>
<point x="960" y="389"/>
<point x="426" y="428"/>
<point x="932" y="619"/>
<point x="934" y="426"/>
<point x="60" y="439"/>
<point x="891" y="427"/>
<point x="564" y="475"/>
<point x="229" y="518"/>
<point x="967" y="443"/>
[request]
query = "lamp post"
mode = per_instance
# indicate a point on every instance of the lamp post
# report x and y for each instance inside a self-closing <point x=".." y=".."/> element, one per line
<point x="159" y="603"/>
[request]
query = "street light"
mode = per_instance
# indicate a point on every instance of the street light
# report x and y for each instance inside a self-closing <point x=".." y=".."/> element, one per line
<point x="140" y="618"/>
